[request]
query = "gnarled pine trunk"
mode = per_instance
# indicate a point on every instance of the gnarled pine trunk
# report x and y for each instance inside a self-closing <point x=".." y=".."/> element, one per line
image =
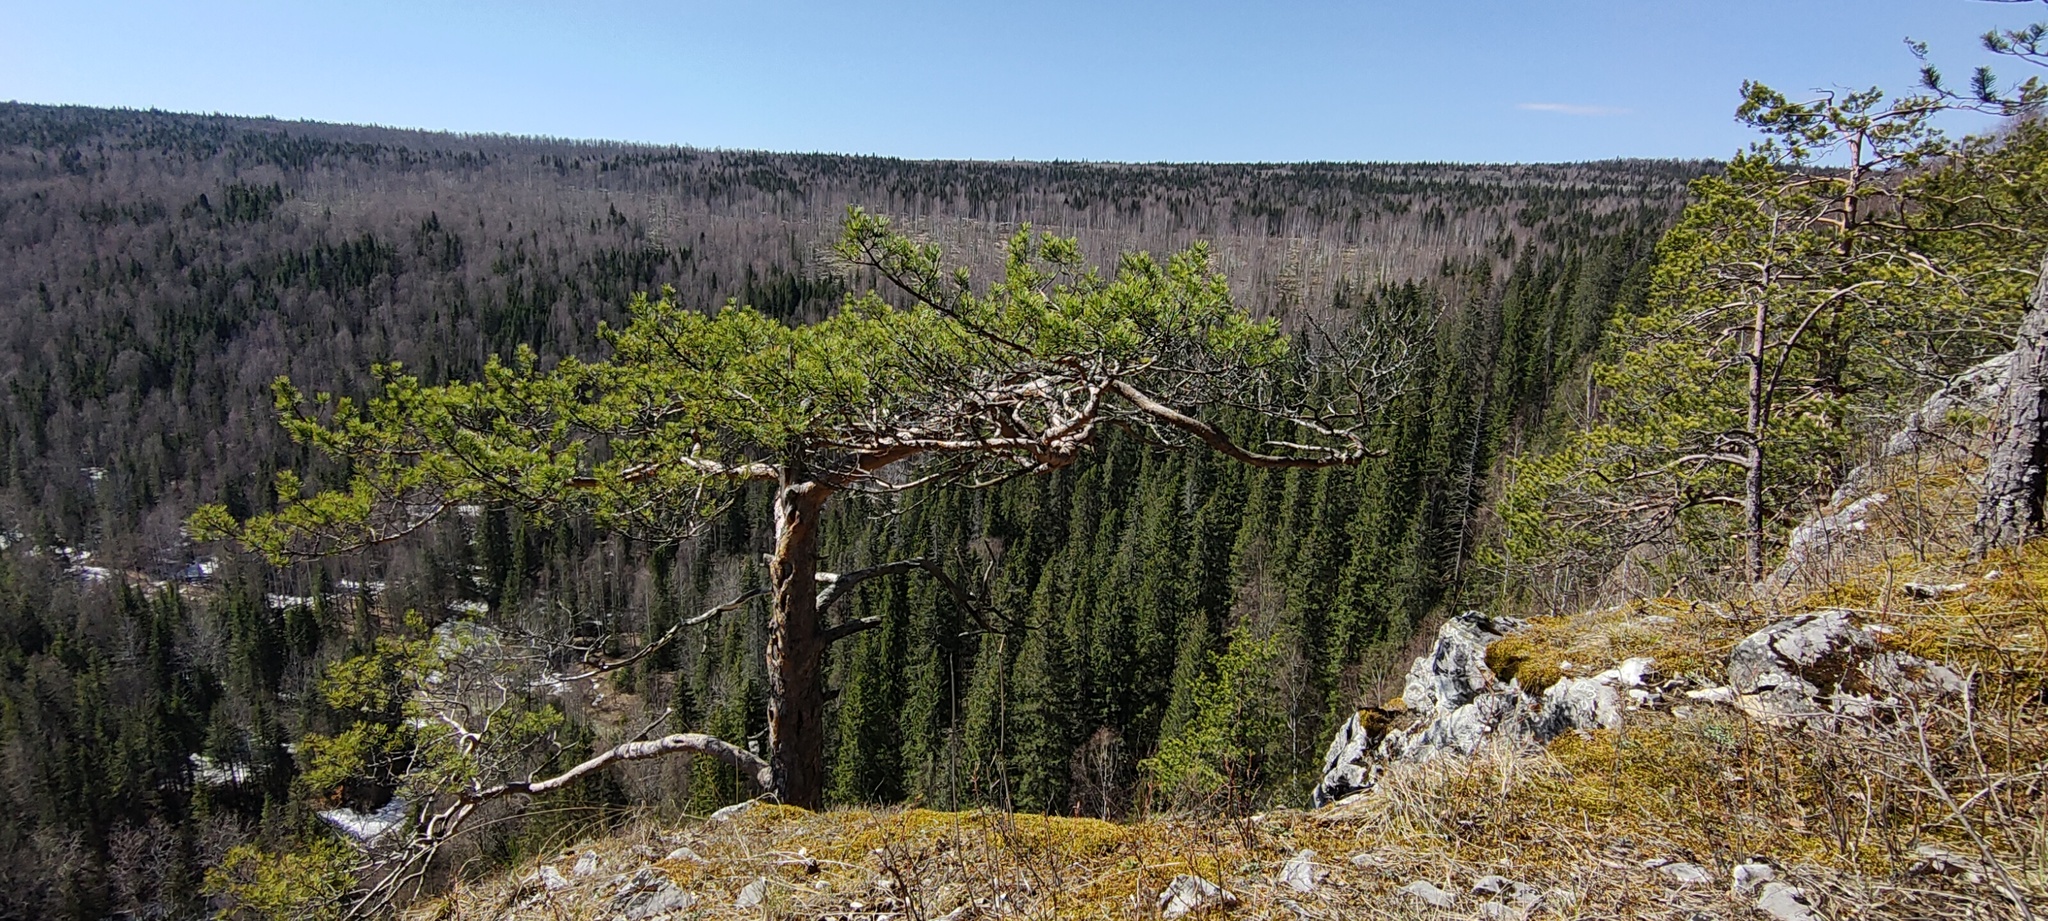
<point x="796" y="647"/>
<point x="2009" y="506"/>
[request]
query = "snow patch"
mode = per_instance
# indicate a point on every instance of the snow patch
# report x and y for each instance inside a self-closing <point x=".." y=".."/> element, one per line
<point x="367" y="827"/>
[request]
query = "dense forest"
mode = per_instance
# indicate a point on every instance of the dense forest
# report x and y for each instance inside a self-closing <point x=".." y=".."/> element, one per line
<point x="164" y="701"/>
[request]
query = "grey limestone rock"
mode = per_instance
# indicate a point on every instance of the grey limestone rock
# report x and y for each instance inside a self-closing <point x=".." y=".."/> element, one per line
<point x="1751" y="874"/>
<point x="1795" y="665"/>
<point x="1455" y="703"/>
<point x="651" y="895"/>
<point x="752" y="895"/>
<point x="1299" y="873"/>
<point x="1579" y="703"/>
<point x="1507" y="891"/>
<point x="1823" y="663"/>
<point x="1786" y="903"/>
<point x="1346" y="767"/>
<point x="1428" y="893"/>
<point x="1690" y="874"/>
<point x="1187" y="895"/>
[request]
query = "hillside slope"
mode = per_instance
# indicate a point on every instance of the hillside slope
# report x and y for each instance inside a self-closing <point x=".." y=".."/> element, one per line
<point x="1865" y="739"/>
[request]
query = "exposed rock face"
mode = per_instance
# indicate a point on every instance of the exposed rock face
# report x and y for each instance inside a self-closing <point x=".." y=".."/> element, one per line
<point x="1814" y="665"/>
<point x="1977" y="391"/>
<point x="1454" y="698"/>
<point x="1346" y="767"/>
<point x="1814" y="539"/>
<point x="1455" y="673"/>
<point x="1455" y="703"/>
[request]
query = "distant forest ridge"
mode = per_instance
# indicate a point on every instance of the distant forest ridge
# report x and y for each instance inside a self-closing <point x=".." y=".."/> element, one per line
<point x="1286" y="233"/>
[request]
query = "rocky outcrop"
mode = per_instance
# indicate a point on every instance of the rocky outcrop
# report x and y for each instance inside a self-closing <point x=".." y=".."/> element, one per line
<point x="1454" y="703"/>
<point x="1825" y="537"/>
<point x="1823" y="663"/>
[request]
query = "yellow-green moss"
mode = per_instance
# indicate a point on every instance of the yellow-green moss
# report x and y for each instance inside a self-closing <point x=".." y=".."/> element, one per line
<point x="1520" y="657"/>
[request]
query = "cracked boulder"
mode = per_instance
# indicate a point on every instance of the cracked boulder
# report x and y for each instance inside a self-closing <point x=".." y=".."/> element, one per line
<point x="1455" y="703"/>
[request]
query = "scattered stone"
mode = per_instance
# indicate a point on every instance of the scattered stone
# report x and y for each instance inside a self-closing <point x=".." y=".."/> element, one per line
<point x="646" y="878"/>
<point x="653" y="899"/>
<point x="1936" y="860"/>
<point x="1491" y="885"/>
<point x="1501" y="911"/>
<point x="1367" y="860"/>
<point x="1189" y="894"/>
<point x="684" y="855"/>
<point x="731" y="812"/>
<point x="1427" y="892"/>
<point x="1930" y="591"/>
<point x="1786" y="903"/>
<point x="1751" y="874"/>
<point x="1713" y="695"/>
<point x="753" y="895"/>
<point x="1299" y="874"/>
<point x="586" y="865"/>
<point x="1507" y="892"/>
<point x="1636" y="672"/>
<point x="551" y="879"/>
<point x="1690" y="874"/>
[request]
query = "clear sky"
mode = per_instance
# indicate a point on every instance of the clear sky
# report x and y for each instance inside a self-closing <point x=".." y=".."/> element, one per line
<point x="1193" y="80"/>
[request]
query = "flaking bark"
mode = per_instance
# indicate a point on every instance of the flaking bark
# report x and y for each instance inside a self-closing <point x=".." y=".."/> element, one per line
<point x="2009" y="505"/>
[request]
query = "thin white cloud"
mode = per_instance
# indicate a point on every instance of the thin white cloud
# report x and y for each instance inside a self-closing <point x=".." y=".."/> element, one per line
<point x="1565" y="108"/>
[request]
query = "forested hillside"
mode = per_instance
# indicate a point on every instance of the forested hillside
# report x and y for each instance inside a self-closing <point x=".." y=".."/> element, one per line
<point x="163" y="701"/>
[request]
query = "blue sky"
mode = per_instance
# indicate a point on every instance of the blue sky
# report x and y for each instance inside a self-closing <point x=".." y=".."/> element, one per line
<point x="1439" y="80"/>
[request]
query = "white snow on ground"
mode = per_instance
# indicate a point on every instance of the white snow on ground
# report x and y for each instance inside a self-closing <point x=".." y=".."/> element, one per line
<point x="282" y="602"/>
<point x="367" y="827"/>
<point x="214" y="774"/>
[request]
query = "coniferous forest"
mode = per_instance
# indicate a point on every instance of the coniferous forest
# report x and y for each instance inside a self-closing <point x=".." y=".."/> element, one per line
<point x="165" y="701"/>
